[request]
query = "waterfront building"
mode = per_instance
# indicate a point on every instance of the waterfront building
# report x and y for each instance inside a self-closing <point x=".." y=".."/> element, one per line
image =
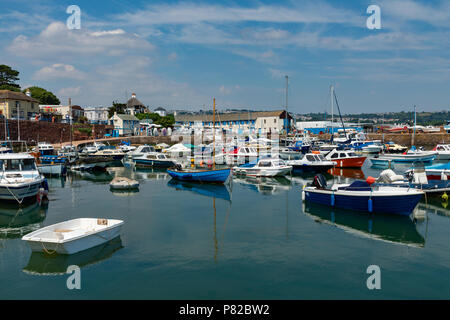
<point x="319" y="127"/>
<point x="125" y="124"/>
<point x="134" y="106"/>
<point x="96" y="115"/>
<point x="61" y="112"/>
<point x="239" y="122"/>
<point x="20" y="105"/>
<point x="161" y="111"/>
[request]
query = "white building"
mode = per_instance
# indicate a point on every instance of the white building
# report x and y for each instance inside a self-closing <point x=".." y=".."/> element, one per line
<point x="96" y="115"/>
<point x="258" y="122"/>
<point x="125" y="124"/>
<point x="161" y="111"/>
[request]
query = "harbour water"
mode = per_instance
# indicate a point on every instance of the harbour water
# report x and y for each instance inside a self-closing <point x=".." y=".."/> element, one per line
<point x="254" y="239"/>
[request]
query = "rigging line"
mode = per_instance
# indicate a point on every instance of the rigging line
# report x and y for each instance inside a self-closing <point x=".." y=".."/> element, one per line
<point x="340" y="116"/>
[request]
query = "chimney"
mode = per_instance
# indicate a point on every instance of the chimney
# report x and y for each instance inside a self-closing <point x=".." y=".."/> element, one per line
<point x="28" y="93"/>
<point x="133" y="95"/>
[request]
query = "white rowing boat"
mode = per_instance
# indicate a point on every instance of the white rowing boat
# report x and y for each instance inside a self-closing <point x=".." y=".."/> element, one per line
<point x="73" y="236"/>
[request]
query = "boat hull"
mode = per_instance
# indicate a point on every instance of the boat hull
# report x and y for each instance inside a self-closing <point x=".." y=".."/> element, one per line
<point x="19" y="192"/>
<point x="58" y="169"/>
<point x="77" y="245"/>
<point x="211" y="176"/>
<point x="356" y="162"/>
<point x="145" y="163"/>
<point x="311" y="168"/>
<point x="258" y="172"/>
<point x="392" y="204"/>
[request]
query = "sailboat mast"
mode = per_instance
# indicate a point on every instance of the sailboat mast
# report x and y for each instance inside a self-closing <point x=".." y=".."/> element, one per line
<point x="70" y="119"/>
<point x="214" y="133"/>
<point x="332" y="107"/>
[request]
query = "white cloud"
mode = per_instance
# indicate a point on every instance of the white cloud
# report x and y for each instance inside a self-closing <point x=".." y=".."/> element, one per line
<point x="190" y="13"/>
<point x="57" y="40"/>
<point x="69" y="92"/>
<point x="57" y="71"/>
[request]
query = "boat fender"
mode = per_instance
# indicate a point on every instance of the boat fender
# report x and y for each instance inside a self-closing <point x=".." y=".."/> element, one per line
<point x="44" y="184"/>
<point x="445" y="197"/>
<point x="332" y="199"/>
<point x="370" y="180"/>
<point x="370" y="205"/>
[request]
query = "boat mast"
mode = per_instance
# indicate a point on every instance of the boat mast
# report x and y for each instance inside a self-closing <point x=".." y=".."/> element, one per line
<point x="332" y="107"/>
<point x="414" y="131"/>
<point x="214" y="133"/>
<point x="287" y="86"/>
<point x="70" y="119"/>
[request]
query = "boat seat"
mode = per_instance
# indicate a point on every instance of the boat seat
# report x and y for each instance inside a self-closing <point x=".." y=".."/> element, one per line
<point x="63" y="230"/>
<point x="357" y="186"/>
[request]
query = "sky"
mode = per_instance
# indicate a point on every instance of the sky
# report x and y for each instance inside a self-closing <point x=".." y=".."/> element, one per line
<point x="179" y="55"/>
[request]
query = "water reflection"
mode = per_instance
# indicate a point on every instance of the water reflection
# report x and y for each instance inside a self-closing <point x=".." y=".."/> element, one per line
<point x="44" y="264"/>
<point x="347" y="173"/>
<point x="219" y="191"/>
<point x="265" y="185"/>
<point x="397" y="229"/>
<point x="17" y="221"/>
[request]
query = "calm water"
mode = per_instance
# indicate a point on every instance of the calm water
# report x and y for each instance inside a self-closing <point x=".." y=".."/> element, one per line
<point x="255" y="240"/>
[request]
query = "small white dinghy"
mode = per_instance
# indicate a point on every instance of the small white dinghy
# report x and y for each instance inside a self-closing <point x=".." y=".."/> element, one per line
<point x="73" y="236"/>
<point x="123" y="183"/>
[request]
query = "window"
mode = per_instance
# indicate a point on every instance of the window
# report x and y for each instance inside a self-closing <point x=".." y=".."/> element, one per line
<point x="274" y="120"/>
<point x="264" y="121"/>
<point x="343" y="155"/>
<point x="310" y="158"/>
<point x="334" y="156"/>
<point x="28" y="164"/>
<point x="265" y="164"/>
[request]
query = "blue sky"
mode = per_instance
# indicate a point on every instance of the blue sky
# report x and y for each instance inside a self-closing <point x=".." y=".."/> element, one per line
<point x="181" y="54"/>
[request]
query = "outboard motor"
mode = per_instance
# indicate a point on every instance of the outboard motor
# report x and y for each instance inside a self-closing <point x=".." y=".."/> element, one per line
<point x="319" y="182"/>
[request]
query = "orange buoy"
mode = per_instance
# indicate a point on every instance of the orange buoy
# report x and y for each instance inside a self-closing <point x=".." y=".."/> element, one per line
<point x="370" y="180"/>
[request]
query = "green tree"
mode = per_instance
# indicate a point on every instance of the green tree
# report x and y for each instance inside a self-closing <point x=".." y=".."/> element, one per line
<point x="8" y="78"/>
<point x="44" y="96"/>
<point x="116" y="107"/>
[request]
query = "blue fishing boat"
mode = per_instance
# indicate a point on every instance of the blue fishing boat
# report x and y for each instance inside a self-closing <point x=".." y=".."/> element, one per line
<point x="210" y="176"/>
<point x="360" y="196"/>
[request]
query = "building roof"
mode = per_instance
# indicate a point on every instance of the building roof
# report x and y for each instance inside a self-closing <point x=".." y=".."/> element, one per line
<point x="134" y="102"/>
<point x="13" y="95"/>
<point x="126" y="117"/>
<point x="234" y="116"/>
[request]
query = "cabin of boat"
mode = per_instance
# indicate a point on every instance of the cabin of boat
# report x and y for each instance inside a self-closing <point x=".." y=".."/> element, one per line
<point x="345" y="159"/>
<point x="20" y="177"/>
<point x="311" y="162"/>
<point x="159" y="160"/>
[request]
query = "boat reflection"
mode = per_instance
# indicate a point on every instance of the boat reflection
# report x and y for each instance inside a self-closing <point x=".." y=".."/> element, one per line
<point x="347" y="173"/>
<point x="393" y="229"/>
<point x="16" y="222"/>
<point x="45" y="264"/>
<point x="151" y="174"/>
<point x="265" y="185"/>
<point x="219" y="191"/>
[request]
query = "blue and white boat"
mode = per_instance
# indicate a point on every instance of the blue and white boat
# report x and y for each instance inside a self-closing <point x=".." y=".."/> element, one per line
<point x="412" y="155"/>
<point x="210" y="176"/>
<point x="360" y="196"/>
<point x="154" y="160"/>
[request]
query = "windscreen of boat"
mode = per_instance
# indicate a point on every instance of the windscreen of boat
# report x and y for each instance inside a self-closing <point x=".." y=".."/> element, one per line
<point x="321" y="157"/>
<point x="265" y="164"/>
<point x="352" y="154"/>
<point x="310" y="157"/>
<point x="18" y="164"/>
<point x="161" y="156"/>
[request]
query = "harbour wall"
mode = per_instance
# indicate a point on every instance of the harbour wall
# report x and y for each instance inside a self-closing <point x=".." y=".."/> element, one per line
<point x="426" y="140"/>
<point x="40" y="131"/>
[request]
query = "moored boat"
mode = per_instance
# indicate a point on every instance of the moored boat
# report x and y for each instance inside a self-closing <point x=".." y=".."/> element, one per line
<point x="73" y="236"/>
<point x="311" y="163"/>
<point x="345" y="159"/>
<point x="360" y="196"/>
<point x="20" y="177"/>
